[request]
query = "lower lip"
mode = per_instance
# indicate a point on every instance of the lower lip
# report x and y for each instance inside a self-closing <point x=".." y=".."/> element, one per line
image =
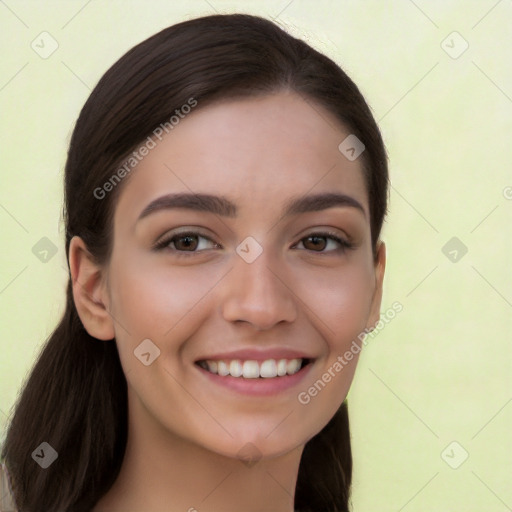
<point x="259" y="386"/>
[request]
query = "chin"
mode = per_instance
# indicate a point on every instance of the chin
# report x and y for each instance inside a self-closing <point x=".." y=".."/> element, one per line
<point x="253" y="445"/>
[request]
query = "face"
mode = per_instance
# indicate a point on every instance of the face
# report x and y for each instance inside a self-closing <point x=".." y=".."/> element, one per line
<point x="242" y="277"/>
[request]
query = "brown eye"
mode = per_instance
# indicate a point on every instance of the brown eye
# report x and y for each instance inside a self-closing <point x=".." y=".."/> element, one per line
<point x="318" y="243"/>
<point x="190" y="242"/>
<point x="187" y="242"/>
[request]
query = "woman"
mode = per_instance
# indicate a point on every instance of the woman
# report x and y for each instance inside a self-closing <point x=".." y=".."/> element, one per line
<point x="225" y="190"/>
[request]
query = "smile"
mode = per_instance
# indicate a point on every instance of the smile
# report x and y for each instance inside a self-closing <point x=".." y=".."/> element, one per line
<point x="251" y="369"/>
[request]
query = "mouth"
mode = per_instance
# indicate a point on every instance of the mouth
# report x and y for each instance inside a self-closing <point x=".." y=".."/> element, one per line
<point x="252" y="369"/>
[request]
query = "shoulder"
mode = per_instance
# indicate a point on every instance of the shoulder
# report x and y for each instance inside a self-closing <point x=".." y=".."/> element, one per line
<point x="6" y="496"/>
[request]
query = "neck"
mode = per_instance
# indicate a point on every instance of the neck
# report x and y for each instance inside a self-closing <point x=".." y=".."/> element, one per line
<point x="164" y="472"/>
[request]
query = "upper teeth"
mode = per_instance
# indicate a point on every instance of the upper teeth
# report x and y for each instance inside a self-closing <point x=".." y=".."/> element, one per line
<point x="253" y="369"/>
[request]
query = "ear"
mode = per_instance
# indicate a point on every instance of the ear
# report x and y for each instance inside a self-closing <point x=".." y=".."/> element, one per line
<point x="380" y="266"/>
<point x="89" y="291"/>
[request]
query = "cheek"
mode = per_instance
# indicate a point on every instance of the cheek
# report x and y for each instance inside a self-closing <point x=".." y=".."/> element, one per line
<point x="155" y="301"/>
<point x="341" y="301"/>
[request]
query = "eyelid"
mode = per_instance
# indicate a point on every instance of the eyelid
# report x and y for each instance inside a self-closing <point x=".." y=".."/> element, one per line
<point x="163" y="241"/>
<point x="328" y="231"/>
<point x="345" y="242"/>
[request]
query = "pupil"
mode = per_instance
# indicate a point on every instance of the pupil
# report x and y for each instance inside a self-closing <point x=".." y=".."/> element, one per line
<point x="316" y="239"/>
<point x="189" y="240"/>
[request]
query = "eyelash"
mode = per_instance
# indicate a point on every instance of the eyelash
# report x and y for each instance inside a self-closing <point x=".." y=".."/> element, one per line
<point x="164" y="244"/>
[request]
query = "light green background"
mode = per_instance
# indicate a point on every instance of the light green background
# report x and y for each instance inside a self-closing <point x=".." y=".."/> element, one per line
<point x="441" y="371"/>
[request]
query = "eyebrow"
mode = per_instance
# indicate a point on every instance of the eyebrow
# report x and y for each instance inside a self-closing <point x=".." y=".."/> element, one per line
<point x="222" y="206"/>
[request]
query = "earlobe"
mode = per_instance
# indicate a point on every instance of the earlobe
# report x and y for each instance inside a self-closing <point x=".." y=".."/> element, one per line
<point x="380" y="267"/>
<point x="89" y="291"/>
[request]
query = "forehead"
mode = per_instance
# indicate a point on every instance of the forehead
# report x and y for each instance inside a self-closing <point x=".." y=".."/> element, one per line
<point x="257" y="151"/>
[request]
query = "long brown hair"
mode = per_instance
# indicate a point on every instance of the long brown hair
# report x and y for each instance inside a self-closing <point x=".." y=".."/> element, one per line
<point x="75" y="397"/>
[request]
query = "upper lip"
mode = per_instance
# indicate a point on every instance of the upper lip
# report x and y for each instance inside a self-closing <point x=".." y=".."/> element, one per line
<point x="258" y="355"/>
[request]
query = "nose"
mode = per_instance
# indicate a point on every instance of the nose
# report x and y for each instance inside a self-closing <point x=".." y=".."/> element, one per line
<point x="258" y="293"/>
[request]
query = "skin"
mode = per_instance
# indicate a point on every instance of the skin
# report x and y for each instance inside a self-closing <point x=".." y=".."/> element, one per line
<point x="184" y="432"/>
